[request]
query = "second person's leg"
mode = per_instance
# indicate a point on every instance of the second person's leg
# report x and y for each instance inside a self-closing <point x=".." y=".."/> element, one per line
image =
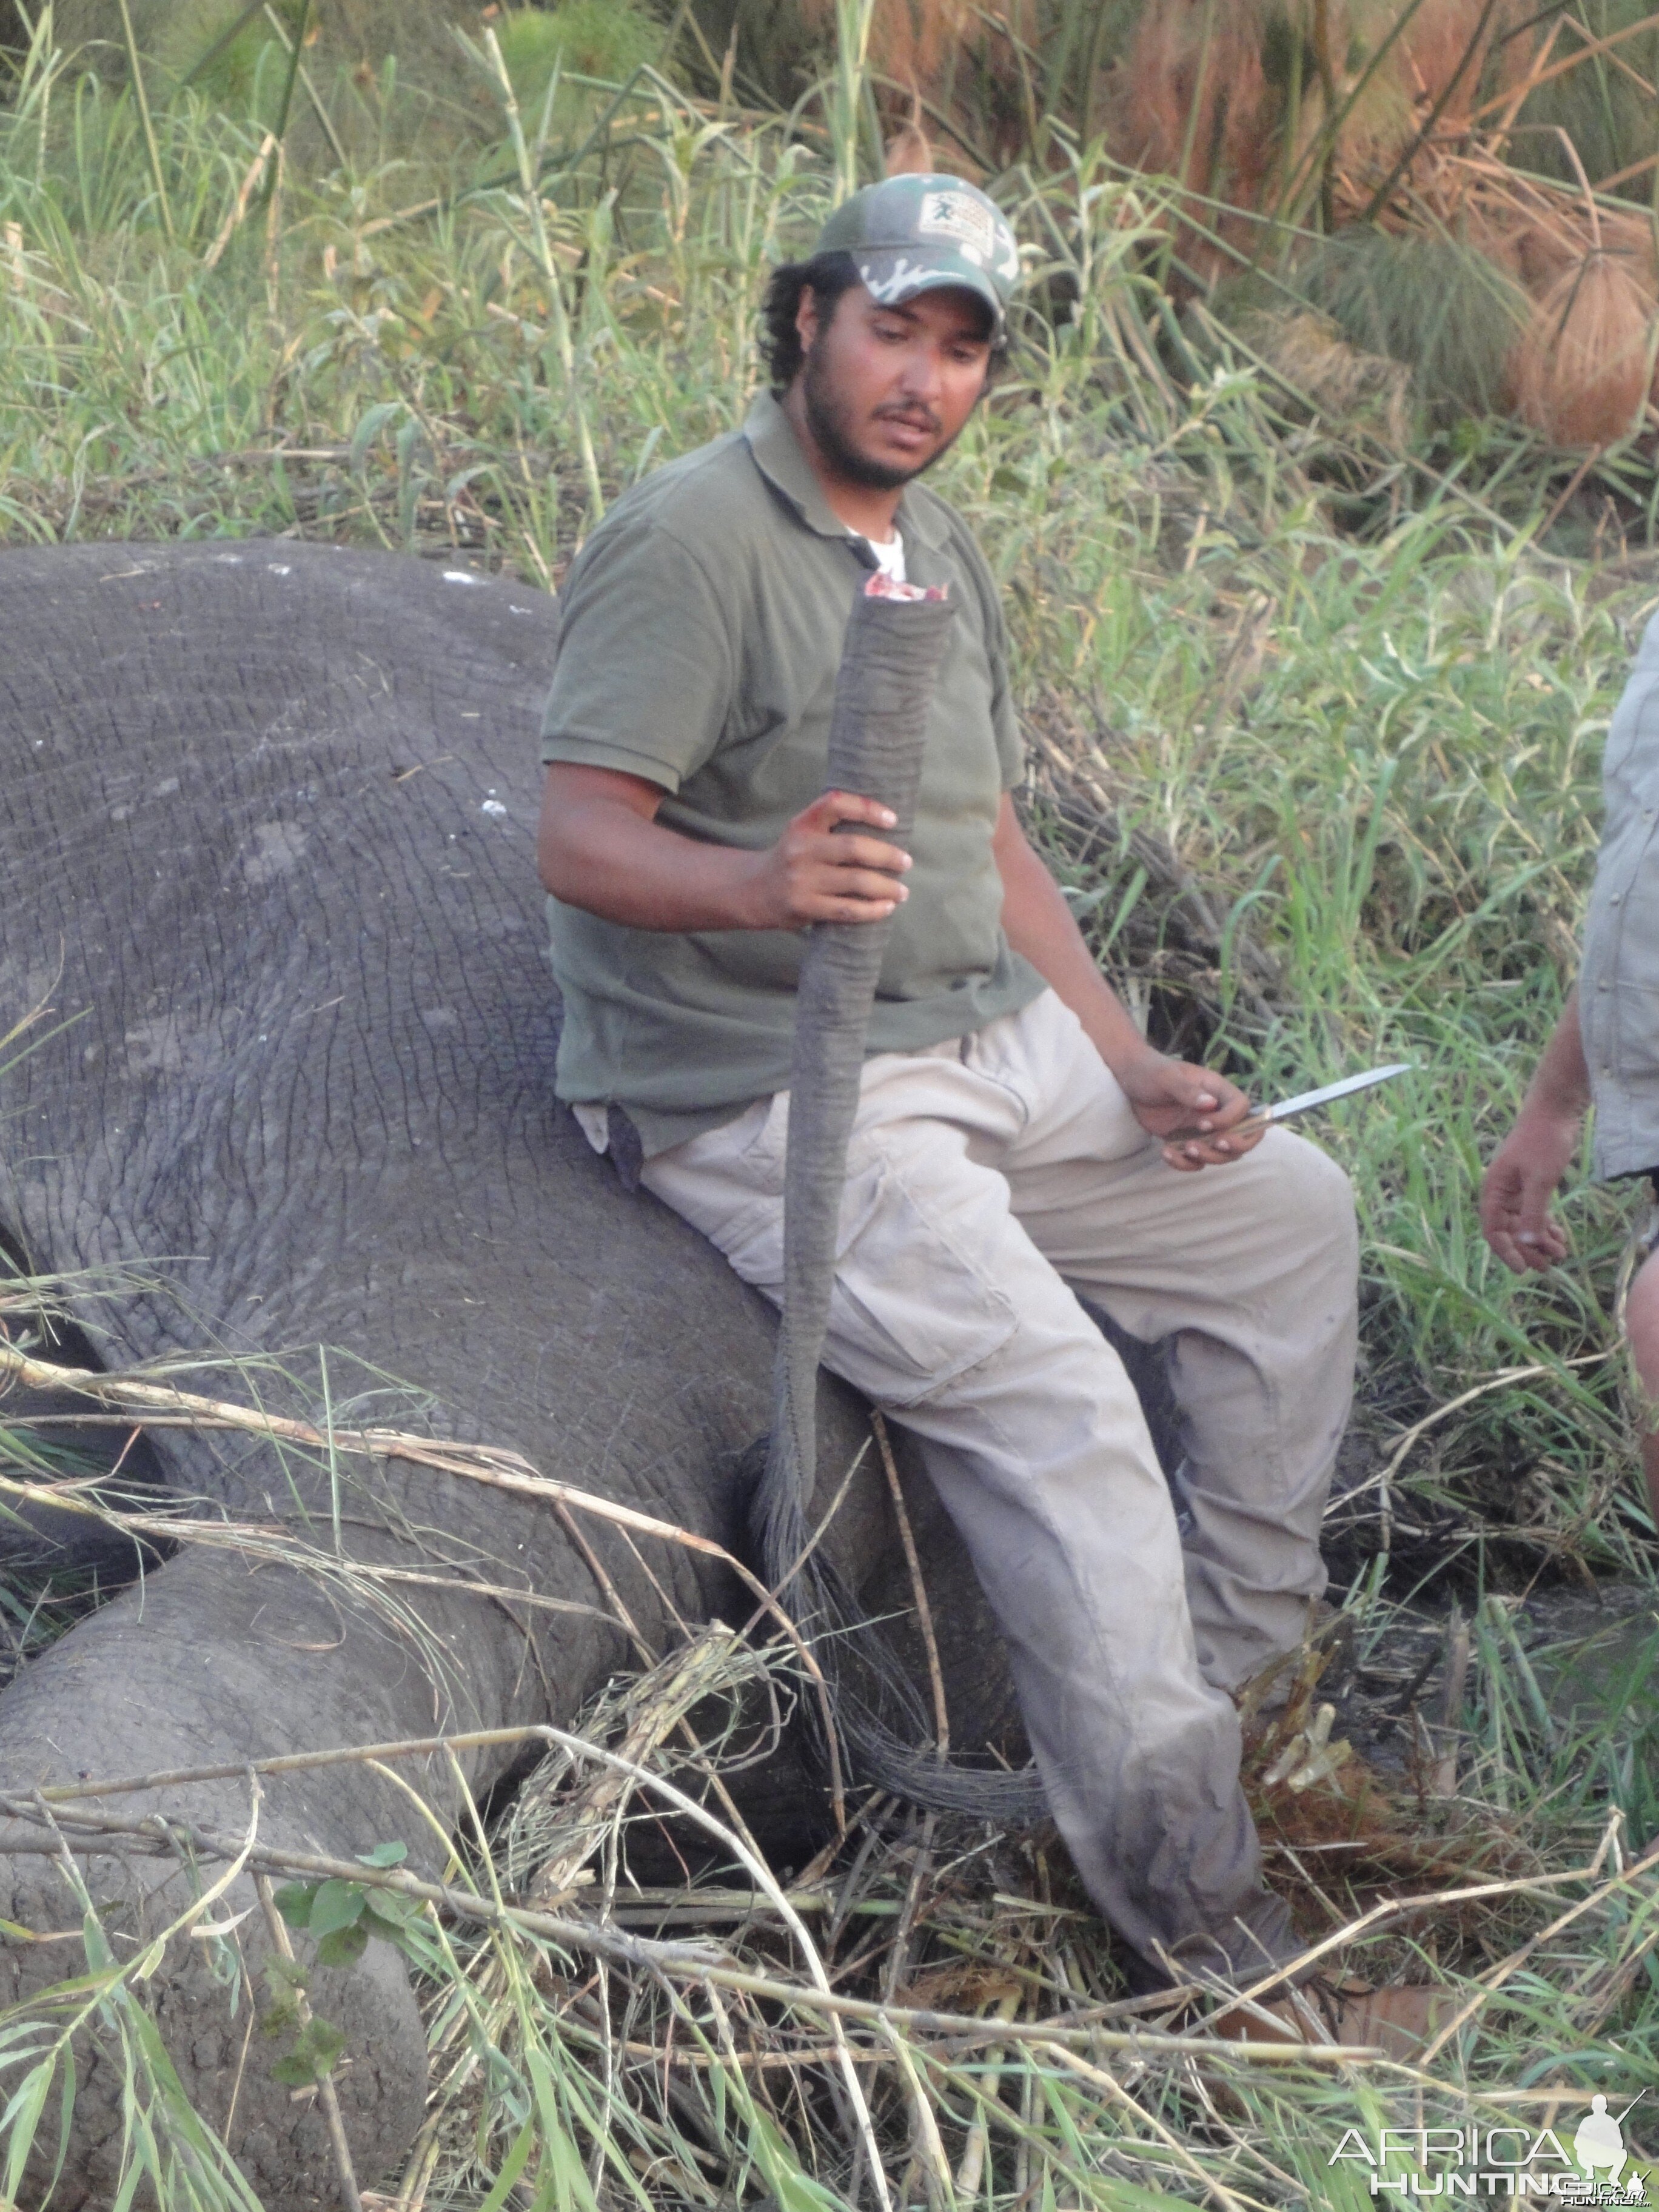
<point x="1642" y="1321"/>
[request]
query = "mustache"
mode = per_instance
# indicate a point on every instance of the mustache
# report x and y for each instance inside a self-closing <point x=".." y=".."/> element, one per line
<point x="918" y="416"/>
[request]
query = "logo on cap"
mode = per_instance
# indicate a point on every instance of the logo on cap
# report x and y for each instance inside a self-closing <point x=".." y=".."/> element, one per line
<point x="971" y="225"/>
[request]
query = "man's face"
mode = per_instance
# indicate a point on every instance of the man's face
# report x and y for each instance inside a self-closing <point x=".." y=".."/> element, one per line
<point x="887" y="390"/>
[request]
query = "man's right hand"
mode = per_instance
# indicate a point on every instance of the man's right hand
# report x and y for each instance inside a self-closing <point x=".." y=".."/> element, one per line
<point x="601" y="847"/>
<point x="1526" y="1171"/>
<point x="817" y="873"/>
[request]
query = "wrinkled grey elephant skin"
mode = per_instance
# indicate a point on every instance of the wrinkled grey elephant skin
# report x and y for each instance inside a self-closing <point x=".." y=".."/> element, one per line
<point x="266" y="820"/>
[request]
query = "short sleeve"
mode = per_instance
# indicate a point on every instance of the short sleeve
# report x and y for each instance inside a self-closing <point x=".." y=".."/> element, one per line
<point x="646" y="667"/>
<point x="1004" y="722"/>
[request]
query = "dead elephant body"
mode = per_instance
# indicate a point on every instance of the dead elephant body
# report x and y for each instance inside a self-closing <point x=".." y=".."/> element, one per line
<point x="266" y="844"/>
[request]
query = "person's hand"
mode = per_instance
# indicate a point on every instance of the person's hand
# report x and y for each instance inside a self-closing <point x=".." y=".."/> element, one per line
<point x="814" y="874"/>
<point x="1171" y="1094"/>
<point x="1526" y="1171"/>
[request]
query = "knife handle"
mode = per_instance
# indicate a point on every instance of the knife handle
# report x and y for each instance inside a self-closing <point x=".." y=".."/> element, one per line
<point x="1260" y="1119"/>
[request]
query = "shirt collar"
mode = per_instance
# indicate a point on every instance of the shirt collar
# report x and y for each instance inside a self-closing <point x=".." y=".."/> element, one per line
<point x="778" y="456"/>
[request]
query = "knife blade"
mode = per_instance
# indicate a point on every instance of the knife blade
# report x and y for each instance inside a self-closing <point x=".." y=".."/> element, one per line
<point x="1305" y="1102"/>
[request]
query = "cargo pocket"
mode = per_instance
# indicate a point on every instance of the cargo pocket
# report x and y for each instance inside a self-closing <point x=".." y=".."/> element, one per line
<point x="911" y="1309"/>
<point x="728" y="1183"/>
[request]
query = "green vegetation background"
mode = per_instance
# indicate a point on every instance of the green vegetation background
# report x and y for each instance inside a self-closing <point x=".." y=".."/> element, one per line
<point x="446" y="282"/>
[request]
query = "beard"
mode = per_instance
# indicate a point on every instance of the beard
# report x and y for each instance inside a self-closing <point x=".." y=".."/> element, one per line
<point x="829" y="419"/>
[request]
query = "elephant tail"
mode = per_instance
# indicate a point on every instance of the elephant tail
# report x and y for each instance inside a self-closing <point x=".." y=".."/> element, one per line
<point x="879" y="1716"/>
<point x="896" y="640"/>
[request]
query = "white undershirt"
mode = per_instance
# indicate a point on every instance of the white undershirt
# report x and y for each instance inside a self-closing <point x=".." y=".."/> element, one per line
<point x="890" y="557"/>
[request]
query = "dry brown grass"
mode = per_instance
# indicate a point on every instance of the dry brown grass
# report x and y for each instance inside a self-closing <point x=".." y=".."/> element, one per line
<point x="1190" y="100"/>
<point x="1191" y="97"/>
<point x="1339" y="1834"/>
<point x="918" y="42"/>
<point x="1583" y="368"/>
<point x="1585" y="365"/>
<point x="1422" y="140"/>
<point x="1365" y="390"/>
<point x="1445" y="50"/>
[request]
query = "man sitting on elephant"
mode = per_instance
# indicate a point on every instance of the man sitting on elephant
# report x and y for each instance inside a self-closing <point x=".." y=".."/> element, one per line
<point x="1010" y="1141"/>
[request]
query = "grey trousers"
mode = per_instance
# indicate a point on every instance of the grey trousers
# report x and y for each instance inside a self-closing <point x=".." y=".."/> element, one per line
<point x="985" y="1177"/>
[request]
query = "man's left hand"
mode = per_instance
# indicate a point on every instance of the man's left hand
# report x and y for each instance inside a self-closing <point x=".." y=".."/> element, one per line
<point x="1171" y="1094"/>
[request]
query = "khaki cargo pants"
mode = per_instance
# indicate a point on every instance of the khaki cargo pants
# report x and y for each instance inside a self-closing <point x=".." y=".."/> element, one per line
<point x="985" y="1177"/>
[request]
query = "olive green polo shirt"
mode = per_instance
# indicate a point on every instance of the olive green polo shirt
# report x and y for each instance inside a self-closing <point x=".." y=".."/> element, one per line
<point x="700" y="632"/>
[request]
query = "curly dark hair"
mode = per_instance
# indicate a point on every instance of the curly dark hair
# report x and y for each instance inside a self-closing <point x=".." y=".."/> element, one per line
<point x="826" y="275"/>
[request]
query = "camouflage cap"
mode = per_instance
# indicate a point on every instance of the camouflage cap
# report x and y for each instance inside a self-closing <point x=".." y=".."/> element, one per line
<point x="911" y="235"/>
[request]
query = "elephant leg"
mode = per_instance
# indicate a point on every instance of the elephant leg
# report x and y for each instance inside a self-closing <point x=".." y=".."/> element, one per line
<point x="217" y="1660"/>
